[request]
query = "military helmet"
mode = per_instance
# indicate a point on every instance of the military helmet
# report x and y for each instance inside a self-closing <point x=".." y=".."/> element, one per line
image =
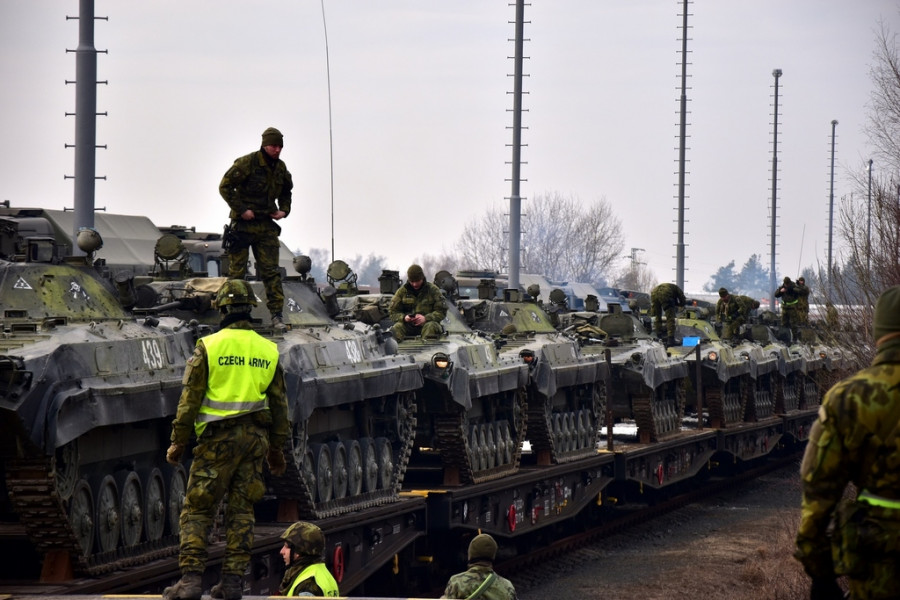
<point x="235" y="291"/>
<point x="787" y="280"/>
<point x="482" y="547"/>
<point x="305" y="538"/>
<point x="534" y="290"/>
<point x="722" y="292"/>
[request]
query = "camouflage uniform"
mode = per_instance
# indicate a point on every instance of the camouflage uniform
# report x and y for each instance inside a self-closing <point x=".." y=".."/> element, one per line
<point x="306" y="544"/>
<point x="739" y="308"/>
<point x="463" y="584"/>
<point x="482" y="552"/>
<point x="668" y="297"/>
<point x="856" y="440"/>
<point x="228" y="461"/>
<point x="802" y="302"/>
<point x="428" y="301"/>
<point x="262" y="184"/>
<point x="790" y="301"/>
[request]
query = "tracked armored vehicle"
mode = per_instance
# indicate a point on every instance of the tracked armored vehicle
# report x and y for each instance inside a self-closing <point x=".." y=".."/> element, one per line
<point x="647" y="383"/>
<point x="351" y="398"/>
<point x="471" y="410"/>
<point x="566" y="391"/>
<point x="86" y="400"/>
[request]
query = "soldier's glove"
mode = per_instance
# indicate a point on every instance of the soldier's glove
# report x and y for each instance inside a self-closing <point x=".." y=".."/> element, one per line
<point x="275" y="459"/>
<point x="825" y="588"/>
<point x="174" y="454"/>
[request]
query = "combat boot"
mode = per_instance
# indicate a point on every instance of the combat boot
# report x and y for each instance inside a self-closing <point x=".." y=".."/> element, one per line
<point x="189" y="587"/>
<point x="278" y="323"/>
<point x="230" y="588"/>
<point x="670" y="341"/>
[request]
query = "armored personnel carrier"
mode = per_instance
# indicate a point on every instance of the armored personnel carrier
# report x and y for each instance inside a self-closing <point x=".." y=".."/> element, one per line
<point x="351" y="397"/>
<point x="471" y="410"/>
<point x="647" y="383"/>
<point x="87" y="396"/>
<point x="566" y="391"/>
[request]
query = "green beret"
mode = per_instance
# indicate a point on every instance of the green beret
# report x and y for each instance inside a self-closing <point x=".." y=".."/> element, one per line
<point x="887" y="313"/>
<point x="415" y="273"/>
<point x="272" y="137"/>
<point x="482" y="547"/>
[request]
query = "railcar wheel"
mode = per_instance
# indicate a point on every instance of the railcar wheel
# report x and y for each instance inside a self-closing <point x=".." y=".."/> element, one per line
<point x="354" y="468"/>
<point x="339" y="468"/>
<point x="154" y="505"/>
<point x="109" y="521"/>
<point x="81" y="516"/>
<point x="369" y="465"/>
<point x="132" y="510"/>
<point x="177" y="492"/>
<point x="324" y="474"/>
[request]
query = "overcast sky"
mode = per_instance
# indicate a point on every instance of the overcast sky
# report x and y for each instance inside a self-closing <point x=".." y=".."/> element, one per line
<point x="421" y="100"/>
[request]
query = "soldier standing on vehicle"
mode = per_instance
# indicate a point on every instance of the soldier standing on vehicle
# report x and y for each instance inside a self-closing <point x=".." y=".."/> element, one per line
<point x="480" y="580"/>
<point x="304" y="556"/>
<point x="790" y="299"/>
<point x="802" y="302"/>
<point x="234" y="401"/>
<point x="668" y="297"/>
<point x="856" y="439"/>
<point x="257" y="188"/>
<point x="418" y="307"/>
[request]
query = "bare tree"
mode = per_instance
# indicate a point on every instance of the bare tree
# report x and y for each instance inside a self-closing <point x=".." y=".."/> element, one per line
<point x="483" y="242"/>
<point x="883" y="127"/>
<point x="565" y="239"/>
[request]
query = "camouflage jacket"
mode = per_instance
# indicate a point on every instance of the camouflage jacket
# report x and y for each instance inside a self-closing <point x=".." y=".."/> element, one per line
<point x="463" y="584"/>
<point x="853" y="440"/>
<point x="743" y="305"/>
<point x="668" y="294"/>
<point x="802" y="297"/>
<point x="726" y="309"/>
<point x="428" y="300"/>
<point x="194" y="381"/>
<point x="255" y="182"/>
<point x="790" y="296"/>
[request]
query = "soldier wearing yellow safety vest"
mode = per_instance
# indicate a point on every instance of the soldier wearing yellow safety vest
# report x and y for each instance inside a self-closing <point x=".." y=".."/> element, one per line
<point x="856" y="439"/>
<point x="304" y="556"/>
<point x="234" y="402"/>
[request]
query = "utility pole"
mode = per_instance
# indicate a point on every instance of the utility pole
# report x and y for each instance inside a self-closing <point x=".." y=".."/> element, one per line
<point x="869" y="225"/>
<point x="777" y="74"/>
<point x="515" y="200"/>
<point x="682" y="150"/>
<point x="831" y="209"/>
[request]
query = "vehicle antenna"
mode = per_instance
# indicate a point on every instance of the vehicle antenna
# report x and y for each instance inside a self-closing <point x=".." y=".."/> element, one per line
<point x="802" y="235"/>
<point x="330" y="136"/>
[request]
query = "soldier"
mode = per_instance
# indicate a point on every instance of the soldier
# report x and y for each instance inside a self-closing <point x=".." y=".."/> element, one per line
<point x="723" y="305"/>
<point x="802" y="302"/>
<point x="418" y="307"/>
<point x="480" y="581"/>
<point x="304" y="556"/>
<point x="856" y="440"/>
<point x="234" y="401"/>
<point x="790" y="298"/>
<point x="668" y="297"/>
<point x="739" y="309"/>
<point x="258" y="187"/>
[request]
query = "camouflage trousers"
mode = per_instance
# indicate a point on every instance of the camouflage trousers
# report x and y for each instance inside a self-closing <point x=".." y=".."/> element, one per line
<point x="228" y="462"/>
<point x="402" y="330"/>
<point x="730" y="329"/>
<point x="790" y="317"/>
<point x="262" y="237"/>
<point x="866" y="548"/>
<point x="671" y="320"/>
